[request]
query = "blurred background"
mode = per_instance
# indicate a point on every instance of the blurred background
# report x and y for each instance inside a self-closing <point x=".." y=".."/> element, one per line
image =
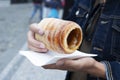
<point x="15" y="18"/>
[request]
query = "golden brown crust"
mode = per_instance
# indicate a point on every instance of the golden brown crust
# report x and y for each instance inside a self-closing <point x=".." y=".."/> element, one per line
<point x="60" y="35"/>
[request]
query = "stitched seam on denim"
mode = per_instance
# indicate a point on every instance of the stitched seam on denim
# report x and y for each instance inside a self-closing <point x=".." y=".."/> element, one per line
<point x="106" y="71"/>
<point x="83" y="7"/>
<point x="109" y="17"/>
<point x="116" y="27"/>
<point x="101" y="41"/>
<point x="109" y="71"/>
<point x="116" y="55"/>
<point x="105" y="37"/>
<point x="116" y="7"/>
<point x="106" y="34"/>
<point x="112" y="50"/>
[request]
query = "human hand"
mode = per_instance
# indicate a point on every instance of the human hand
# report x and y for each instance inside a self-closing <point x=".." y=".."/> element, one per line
<point x="72" y="65"/>
<point x="33" y="44"/>
<point x="86" y="64"/>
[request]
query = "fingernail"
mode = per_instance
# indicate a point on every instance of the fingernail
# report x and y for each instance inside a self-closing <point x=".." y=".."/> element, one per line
<point x="42" y="45"/>
<point x="40" y="32"/>
<point x="60" y="63"/>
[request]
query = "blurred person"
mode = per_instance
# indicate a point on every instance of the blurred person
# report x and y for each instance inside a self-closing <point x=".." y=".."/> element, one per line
<point x="47" y="7"/>
<point x="100" y="22"/>
<point x="63" y="3"/>
<point x="37" y="6"/>
<point x="55" y="5"/>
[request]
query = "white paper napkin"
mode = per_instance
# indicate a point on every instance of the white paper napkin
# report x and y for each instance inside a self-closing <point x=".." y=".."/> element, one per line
<point x="41" y="59"/>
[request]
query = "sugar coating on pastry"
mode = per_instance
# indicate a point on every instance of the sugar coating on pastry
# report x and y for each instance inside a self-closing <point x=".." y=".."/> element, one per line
<point x="61" y="36"/>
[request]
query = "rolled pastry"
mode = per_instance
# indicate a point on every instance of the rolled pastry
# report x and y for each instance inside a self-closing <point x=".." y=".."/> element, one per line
<point x="60" y="35"/>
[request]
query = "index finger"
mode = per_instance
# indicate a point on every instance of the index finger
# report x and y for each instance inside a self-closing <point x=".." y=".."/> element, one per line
<point x="34" y="28"/>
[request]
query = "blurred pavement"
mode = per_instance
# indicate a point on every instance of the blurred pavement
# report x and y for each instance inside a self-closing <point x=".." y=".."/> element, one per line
<point x="13" y="30"/>
<point x="4" y="3"/>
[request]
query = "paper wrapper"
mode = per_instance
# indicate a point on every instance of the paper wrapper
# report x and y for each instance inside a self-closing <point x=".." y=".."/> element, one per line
<point x="41" y="59"/>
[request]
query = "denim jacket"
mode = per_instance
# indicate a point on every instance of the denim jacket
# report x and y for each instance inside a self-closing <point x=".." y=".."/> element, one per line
<point x="106" y="38"/>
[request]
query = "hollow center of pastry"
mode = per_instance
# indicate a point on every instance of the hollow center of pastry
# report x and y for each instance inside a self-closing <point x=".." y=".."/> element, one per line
<point x="73" y="38"/>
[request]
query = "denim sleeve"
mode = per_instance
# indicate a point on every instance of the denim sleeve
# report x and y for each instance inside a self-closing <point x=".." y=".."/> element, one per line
<point x="112" y="70"/>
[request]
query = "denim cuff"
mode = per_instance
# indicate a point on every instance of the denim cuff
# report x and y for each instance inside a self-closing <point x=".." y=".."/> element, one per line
<point x="109" y="75"/>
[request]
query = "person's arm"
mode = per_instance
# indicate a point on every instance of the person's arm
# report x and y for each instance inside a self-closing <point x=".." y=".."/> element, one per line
<point x="98" y="70"/>
<point x="110" y="70"/>
<point x="88" y="65"/>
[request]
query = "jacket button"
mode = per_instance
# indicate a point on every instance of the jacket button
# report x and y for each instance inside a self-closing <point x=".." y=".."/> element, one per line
<point x="77" y="12"/>
<point x="104" y="22"/>
<point x="87" y="15"/>
<point x="98" y="49"/>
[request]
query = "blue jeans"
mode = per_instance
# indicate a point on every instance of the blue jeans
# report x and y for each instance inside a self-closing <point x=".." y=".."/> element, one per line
<point x="53" y="13"/>
<point x="36" y="8"/>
